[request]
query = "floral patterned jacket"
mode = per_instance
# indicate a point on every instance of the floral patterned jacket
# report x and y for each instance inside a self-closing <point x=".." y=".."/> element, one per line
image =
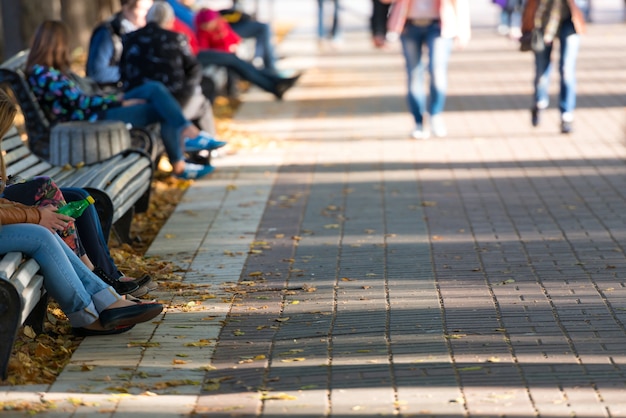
<point x="62" y="100"/>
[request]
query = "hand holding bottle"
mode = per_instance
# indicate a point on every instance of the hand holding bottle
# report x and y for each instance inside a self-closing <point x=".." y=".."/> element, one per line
<point x="52" y="220"/>
<point x="77" y="207"/>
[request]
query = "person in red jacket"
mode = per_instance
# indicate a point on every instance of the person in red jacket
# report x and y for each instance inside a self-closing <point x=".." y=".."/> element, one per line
<point x="214" y="32"/>
<point x="217" y="43"/>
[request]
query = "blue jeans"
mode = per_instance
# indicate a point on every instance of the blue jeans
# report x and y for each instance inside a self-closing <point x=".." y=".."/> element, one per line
<point x="510" y="18"/>
<point x="569" y="42"/>
<point x="414" y="38"/>
<point x="80" y="293"/>
<point x="261" y="78"/>
<point x="334" y="29"/>
<point x="160" y="107"/>
<point x="262" y="33"/>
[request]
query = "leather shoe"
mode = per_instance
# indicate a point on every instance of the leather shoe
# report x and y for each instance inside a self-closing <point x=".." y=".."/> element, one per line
<point x="86" y="332"/>
<point x="129" y="315"/>
<point x="285" y="84"/>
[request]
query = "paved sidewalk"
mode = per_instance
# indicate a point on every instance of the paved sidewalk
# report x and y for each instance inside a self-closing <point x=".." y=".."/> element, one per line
<point x="347" y="270"/>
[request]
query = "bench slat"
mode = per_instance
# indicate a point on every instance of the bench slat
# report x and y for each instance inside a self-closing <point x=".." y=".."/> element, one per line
<point x="25" y="272"/>
<point x="9" y="264"/>
<point x="31" y="295"/>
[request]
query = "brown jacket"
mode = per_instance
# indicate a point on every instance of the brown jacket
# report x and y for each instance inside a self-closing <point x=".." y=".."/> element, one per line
<point x="528" y="16"/>
<point x="17" y="213"/>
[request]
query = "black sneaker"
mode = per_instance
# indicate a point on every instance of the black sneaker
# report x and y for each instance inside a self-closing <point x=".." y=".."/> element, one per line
<point x="535" y="116"/>
<point x="122" y="288"/>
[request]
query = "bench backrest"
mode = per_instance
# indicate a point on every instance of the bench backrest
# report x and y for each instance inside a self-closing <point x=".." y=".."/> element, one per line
<point x="37" y="125"/>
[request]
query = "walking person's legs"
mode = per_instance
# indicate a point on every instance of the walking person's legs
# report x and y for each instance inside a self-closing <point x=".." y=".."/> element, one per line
<point x="335" y="28"/>
<point x="439" y="50"/>
<point x="378" y="22"/>
<point x="321" y="33"/>
<point x="570" y="45"/>
<point x="413" y="39"/>
<point x="543" y="68"/>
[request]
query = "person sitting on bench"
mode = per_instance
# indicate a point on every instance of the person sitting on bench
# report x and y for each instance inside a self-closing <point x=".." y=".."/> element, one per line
<point x="62" y="100"/>
<point x="92" y="306"/>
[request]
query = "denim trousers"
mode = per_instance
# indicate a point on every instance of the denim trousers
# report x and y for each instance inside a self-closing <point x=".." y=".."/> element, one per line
<point x="80" y="293"/>
<point x="569" y="42"/>
<point x="91" y="233"/>
<point x="261" y="78"/>
<point x="414" y="39"/>
<point x="262" y="33"/>
<point x="334" y="29"/>
<point x="160" y="107"/>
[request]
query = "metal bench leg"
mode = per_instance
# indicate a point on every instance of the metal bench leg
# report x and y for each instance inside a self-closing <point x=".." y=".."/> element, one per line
<point x="38" y="315"/>
<point x="10" y="309"/>
<point x="121" y="228"/>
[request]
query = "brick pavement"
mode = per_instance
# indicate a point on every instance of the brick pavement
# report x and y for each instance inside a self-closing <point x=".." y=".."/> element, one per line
<point x="351" y="271"/>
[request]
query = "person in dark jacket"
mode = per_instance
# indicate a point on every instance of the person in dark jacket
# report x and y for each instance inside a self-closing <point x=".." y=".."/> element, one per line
<point x="156" y="53"/>
<point x="105" y="45"/>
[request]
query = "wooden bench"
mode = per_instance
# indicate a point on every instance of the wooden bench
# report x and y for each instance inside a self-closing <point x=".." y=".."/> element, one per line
<point x="23" y="301"/>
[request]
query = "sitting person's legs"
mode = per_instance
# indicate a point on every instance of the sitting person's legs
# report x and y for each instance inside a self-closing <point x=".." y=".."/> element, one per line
<point x="262" y="33"/>
<point x="261" y="78"/>
<point x="82" y="296"/>
<point x="160" y="106"/>
<point x="92" y="249"/>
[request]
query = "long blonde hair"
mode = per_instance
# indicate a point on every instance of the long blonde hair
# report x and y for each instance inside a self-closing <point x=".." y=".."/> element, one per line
<point x="8" y="110"/>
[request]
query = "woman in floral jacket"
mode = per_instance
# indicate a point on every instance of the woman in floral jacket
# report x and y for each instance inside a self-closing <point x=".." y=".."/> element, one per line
<point x="62" y="100"/>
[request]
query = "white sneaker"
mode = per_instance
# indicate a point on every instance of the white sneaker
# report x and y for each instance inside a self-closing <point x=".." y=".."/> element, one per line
<point x="515" y="33"/>
<point x="438" y="126"/>
<point x="419" y="133"/>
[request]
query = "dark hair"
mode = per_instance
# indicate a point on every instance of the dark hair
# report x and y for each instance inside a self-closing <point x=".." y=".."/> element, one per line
<point x="50" y="46"/>
<point x="129" y="3"/>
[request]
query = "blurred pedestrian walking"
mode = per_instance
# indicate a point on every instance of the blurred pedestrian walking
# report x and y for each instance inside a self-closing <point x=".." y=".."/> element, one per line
<point x="322" y="32"/>
<point x="435" y="25"/>
<point x="547" y="21"/>
<point x="378" y="22"/>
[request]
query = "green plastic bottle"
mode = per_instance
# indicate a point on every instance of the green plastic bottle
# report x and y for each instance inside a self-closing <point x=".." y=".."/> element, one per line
<point x="75" y="209"/>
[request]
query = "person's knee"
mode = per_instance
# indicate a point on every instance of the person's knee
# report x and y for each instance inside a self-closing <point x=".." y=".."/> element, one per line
<point x="74" y="193"/>
<point x="155" y="86"/>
